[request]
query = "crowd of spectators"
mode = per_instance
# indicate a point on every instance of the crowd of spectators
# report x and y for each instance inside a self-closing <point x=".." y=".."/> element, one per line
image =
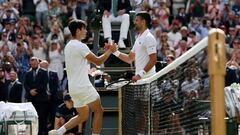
<point x="43" y="32"/>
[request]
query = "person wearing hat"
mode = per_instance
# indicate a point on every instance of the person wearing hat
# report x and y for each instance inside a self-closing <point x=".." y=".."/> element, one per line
<point x="64" y="113"/>
<point x="185" y="36"/>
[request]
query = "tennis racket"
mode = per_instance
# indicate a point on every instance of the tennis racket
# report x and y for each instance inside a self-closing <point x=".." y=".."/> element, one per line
<point x="118" y="84"/>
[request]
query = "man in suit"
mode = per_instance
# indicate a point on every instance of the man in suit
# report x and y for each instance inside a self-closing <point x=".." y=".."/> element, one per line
<point x="3" y="86"/>
<point x="53" y="93"/>
<point x="115" y="11"/>
<point x="35" y="83"/>
<point x="15" y="89"/>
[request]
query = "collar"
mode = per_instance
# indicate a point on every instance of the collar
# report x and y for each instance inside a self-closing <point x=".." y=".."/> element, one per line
<point x="36" y="70"/>
<point x="14" y="81"/>
<point x="144" y="33"/>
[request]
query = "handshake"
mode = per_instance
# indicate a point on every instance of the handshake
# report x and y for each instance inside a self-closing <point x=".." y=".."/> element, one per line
<point x="112" y="47"/>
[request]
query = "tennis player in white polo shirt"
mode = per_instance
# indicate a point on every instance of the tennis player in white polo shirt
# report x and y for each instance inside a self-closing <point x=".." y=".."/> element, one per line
<point x="144" y="51"/>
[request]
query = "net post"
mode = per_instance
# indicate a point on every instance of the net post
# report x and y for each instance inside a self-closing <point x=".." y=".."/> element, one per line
<point x="120" y="111"/>
<point x="216" y="71"/>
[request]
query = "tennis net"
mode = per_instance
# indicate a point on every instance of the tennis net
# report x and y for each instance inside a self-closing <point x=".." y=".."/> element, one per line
<point x="176" y="100"/>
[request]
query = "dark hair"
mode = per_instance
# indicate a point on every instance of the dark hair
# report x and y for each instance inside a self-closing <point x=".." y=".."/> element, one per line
<point x="76" y="24"/>
<point x="145" y="16"/>
<point x="67" y="97"/>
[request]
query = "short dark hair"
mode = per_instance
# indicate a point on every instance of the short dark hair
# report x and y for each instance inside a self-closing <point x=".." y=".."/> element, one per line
<point x="67" y="97"/>
<point x="76" y="24"/>
<point x="145" y="16"/>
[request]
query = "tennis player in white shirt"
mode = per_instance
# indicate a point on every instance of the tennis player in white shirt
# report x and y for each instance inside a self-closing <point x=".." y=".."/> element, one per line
<point x="84" y="95"/>
<point x="144" y="51"/>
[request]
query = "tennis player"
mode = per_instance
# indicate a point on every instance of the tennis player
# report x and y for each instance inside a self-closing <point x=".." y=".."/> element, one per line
<point x="84" y="95"/>
<point x="144" y="51"/>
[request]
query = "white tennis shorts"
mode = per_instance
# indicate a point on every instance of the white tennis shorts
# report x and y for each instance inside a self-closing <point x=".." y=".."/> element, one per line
<point x="84" y="96"/>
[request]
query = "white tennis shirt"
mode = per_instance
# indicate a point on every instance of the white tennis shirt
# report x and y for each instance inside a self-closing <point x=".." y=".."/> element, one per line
<point x="77" y="65"/>
<point x="144" y="45"/>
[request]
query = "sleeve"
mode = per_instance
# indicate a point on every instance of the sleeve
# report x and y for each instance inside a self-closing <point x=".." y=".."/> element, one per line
<point x="84" y="50"/>
<point x="151" y="45"/>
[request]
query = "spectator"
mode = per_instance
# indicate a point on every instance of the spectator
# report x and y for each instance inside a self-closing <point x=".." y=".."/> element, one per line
<point x="163" y="14"/>
<point x="56" y="59"/>
<point x="64" y="113"/>
<point x="7" y="67"/>
<point x="22" y="56"/>
<point x="82" y="7"/>
<point x="4" y="40"/>
<point x="197" y="8"/>
<point x="182" y="16"/>
<point x="39" y="48"/>
<point x="15" y="89"/>
<point x="115" y="14"/>
<point x="3" y="86"/>
<point x="52" y="91"/>
<point x="41" y="12"/>
<point x="214" y="9"/>
<point x="169" y="58"/>
<point x="56" y="34"/>
<point x="4" y="51"/>
<point x="193" y="37"/>
<point x="205" y="27"/>
<point x="182" y="48"/>
<point x="10" y="14"/>
<point x="35" y="84"/>
<point x="174" y="35"/>
<point x="184" y="32"/>
<point x="163" y="52"/>
<point x="54" y="12"/>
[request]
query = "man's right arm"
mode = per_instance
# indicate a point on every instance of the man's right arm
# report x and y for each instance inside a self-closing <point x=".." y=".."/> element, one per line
<point x="98" y="60"/>
<point x="128" y="58"/>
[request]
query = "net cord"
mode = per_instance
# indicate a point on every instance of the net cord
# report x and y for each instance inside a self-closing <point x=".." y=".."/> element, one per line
<point x="193" y="51"/>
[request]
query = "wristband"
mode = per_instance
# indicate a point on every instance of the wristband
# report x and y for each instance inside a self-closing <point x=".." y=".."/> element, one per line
<point x="117" y="53"/>
<point x="141" y="73"/>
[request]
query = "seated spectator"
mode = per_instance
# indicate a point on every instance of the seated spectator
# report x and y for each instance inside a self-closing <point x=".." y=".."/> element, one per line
<point x="115" y="14"/>
<point x="64" y="113"/>
<point x="182" y="48"/>
<point x="231" y="71"/>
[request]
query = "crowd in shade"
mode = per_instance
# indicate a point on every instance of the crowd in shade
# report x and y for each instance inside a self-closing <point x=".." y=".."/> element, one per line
<point x="35" y="32"/>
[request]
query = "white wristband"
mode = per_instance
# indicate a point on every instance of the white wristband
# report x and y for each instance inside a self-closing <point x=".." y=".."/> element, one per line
<point x="117" y="53"/>
<point x="141" y="73"/>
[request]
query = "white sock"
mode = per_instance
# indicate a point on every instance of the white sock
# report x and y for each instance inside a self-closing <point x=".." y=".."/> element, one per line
<point x="95" y="134"/>
<point x="61" y="130"/>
